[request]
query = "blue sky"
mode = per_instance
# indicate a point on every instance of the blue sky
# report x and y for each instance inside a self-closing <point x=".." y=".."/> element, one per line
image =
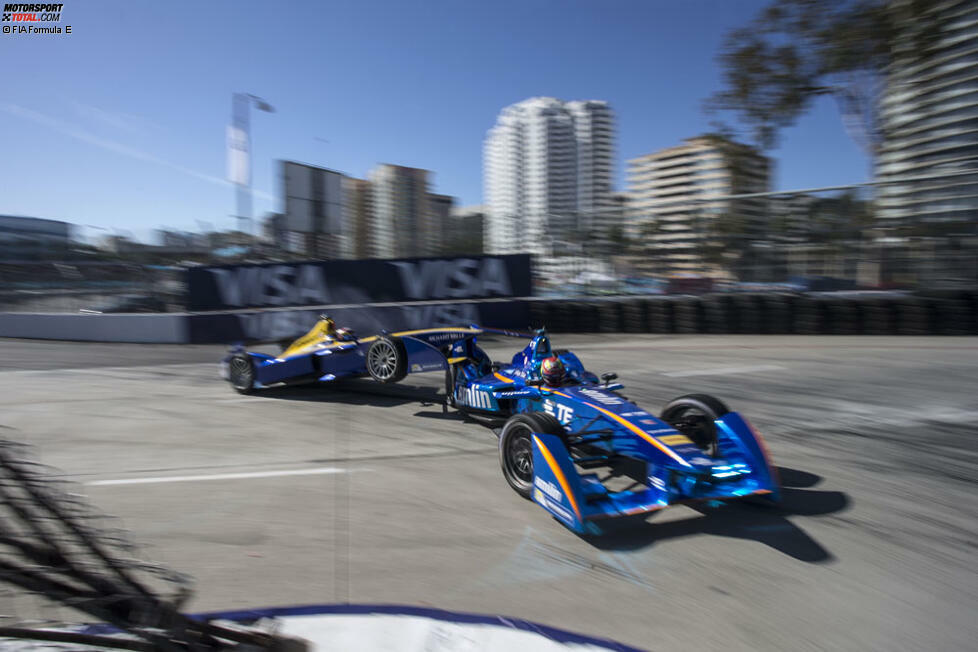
<point x="121" y="124"/>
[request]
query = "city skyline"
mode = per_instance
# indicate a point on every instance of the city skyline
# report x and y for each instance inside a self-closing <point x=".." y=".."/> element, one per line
<point x="144" y="147"/>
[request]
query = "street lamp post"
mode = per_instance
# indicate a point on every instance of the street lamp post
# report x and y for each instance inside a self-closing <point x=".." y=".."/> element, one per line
<point x="240" y="146"/>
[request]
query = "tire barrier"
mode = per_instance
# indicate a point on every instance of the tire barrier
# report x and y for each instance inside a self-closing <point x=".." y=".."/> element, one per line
<point x="541" y="314"/>
<point x="945" y="313"/>
<point x="775" y="312"/>
<point x="746" y="311"/>
<point x="842" y="317"/>
<point x="634" y="316"/>
<point x="610" y="317"/>
<point x="912" y="316"/>
<point x="660" y="315"/>
<point x="809" y="316"/>
<point x="689" y="315"/>
<point x="716" y="314"/>
<point x="878" y="317"/>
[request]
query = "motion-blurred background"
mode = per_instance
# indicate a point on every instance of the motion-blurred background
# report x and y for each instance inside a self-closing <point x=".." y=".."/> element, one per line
<point x="697" y="147"/>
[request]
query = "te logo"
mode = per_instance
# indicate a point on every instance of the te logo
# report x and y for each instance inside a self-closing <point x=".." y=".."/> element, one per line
<point x="562" y="413"/>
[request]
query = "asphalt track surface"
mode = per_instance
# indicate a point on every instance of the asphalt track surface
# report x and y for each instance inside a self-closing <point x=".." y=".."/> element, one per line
<point x="370" y="494"/>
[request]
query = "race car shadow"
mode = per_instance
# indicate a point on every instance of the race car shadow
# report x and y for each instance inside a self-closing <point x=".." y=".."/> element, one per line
<point x="357" y="392"/>
<point x="769" y="525"/>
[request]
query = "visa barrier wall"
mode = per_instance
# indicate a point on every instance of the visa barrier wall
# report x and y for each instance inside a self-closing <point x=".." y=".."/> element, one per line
<point x="275" y="325"/>
<point x="337" y="282"/>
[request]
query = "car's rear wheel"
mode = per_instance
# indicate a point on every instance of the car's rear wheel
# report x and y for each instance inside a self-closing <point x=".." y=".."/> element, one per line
<point x="516" y="447"/>
<point x="387" y="360"/>
<point x="241" y="373"/>
<point x="693" y="415"/>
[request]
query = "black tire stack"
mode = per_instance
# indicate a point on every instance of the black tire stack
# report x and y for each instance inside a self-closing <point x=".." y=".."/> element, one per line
<point x="660" y="315"/>
<point x="946" y="313"/>
<point x="912" y="316"/>
<point x="716" y="314"/>
<point x="842" y="317"/>
<point x="809" y="316"/>
<point x="542" y="313"/>
<point x="688" y="314"/>
<point x="610" y="317"/>
<point x="775" y="313"/>
<point x="746" y="313"/>
<point x="878" y="316"/>
<point x="634" y="316"/>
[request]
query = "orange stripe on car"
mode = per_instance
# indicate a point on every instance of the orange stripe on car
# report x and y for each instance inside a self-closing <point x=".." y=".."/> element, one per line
<point x="552" y="463"/>
<point x="638" y="431"/>
<point x="502" y="377"/>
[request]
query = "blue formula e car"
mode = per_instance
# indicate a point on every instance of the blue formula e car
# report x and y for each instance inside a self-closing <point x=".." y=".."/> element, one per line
<point x="328" y="353"/>
<point x="585" y="453"/>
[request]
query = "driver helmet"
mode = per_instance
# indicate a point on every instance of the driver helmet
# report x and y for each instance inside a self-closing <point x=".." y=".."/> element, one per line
<point x="327" y="325"/>
<point x="345" y="335"/>
<point x="552" y="371"/>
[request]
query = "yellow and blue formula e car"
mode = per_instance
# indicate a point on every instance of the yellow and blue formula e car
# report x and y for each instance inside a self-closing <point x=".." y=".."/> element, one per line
<point x="585" y="453"/>
<point x="329" y="353"/>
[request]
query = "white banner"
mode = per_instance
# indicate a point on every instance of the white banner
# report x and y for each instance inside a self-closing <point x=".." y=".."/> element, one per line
<point x="238" y="169"/>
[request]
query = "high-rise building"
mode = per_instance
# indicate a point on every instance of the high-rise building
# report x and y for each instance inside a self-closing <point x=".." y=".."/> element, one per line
<point x="547" y="172"/>
<point x="441" y="207"/>
<point x="929" y="123"/>
<point x="464" y="231"/>
<point x="402" y="216"/>
<point x="357" y="218"/>
<point x="678" y="193"/>
<point x="313" y="215"/>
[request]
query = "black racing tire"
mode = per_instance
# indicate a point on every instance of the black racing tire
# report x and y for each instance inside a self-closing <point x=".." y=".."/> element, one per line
<point x="693" y="415"/>
<point x="387" y="360"/>
<point x="241" y="373"/>
<point x="516" y="447"/>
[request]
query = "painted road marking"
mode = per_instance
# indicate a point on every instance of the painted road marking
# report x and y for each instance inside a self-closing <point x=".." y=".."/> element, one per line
<point x="220" y="476"/>
<point x="144" y="370"/>
<point x="723" y="371"/>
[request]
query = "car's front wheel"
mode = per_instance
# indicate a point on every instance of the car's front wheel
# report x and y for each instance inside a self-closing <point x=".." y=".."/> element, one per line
<point x="516" y="447"/>
<point x="693" y="415"/>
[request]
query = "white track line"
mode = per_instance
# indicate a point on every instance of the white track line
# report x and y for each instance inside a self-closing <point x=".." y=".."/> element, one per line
<point x="145" y="369"/>
<point x="723" y="371"/>
<point x="221" y="476"/>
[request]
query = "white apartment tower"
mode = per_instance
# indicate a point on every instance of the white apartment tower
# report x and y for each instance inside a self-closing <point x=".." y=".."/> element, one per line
<point x="547" y="172"/>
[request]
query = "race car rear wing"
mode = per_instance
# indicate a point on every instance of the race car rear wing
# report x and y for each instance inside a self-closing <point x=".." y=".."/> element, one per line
<point x="505" y="331"/>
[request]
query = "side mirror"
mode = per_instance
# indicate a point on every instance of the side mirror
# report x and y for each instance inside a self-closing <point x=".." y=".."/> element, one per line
<point x="607" y="378"/>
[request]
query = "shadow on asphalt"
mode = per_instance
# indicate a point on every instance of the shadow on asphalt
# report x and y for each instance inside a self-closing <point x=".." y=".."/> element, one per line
<point x="356" y="392"/>
<point x="766" y="524"/>
<point x="367" y="392"/>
